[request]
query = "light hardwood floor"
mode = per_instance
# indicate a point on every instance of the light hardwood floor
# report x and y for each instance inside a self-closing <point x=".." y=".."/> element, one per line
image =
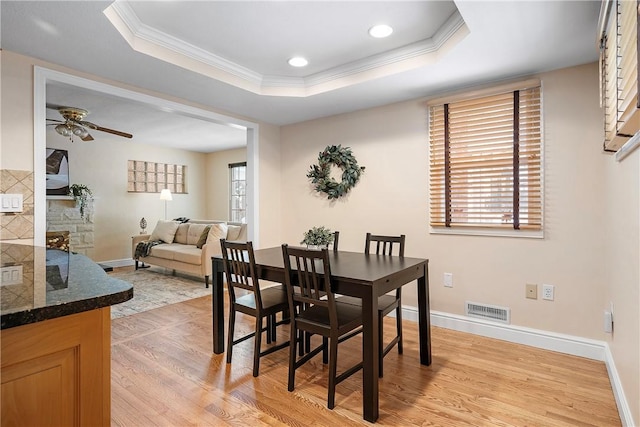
<point x="165" y="373"/>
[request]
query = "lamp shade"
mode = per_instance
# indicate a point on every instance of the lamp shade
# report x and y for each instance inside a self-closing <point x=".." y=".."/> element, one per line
<point x="165" y="194"/>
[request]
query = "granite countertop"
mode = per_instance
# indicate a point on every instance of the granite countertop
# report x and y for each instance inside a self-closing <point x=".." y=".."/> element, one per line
<point x="38" y="284"/>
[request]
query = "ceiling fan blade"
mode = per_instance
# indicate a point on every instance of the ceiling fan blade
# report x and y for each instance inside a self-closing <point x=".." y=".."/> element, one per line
<point x="54" y="120"/>
<point x="55" y="106"/>
<point x="107" y="130"/>
<point x="88" y="137"/>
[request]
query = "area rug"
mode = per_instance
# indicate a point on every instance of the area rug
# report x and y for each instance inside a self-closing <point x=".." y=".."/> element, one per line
<point x="152" y="289"/>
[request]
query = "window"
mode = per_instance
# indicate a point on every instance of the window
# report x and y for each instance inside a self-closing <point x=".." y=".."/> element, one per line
<point x="619" y="72"/>
<point x="150" y="177"/>
<point x="485" y="161"/>
<point x="238" y="192"/>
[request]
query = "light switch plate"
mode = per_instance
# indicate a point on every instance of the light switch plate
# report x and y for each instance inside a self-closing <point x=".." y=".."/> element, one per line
<point x="11" y="275"/>
<point x="11" y="203"/>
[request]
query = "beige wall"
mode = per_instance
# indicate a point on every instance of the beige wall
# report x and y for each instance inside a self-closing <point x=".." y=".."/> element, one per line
<point x="622" y="270"/>
<point x="217" y="181"/>
<point x="392" y="198"/>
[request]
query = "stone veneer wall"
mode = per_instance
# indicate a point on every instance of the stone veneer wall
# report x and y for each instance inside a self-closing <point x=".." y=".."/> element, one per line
<point x="64" y="215"/>
<point x="17" y="225"/>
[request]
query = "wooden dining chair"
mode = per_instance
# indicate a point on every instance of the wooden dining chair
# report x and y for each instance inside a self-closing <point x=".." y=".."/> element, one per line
<point x="384" y="245"/>
<point x="314" y="310"/>
<point x="240" y="269"/>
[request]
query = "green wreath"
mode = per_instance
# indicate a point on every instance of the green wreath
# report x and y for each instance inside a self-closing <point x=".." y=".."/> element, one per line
<point x="320" y="174"/>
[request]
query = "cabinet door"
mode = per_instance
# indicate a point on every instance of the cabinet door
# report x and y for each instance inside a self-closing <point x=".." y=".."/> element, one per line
<point x="57" y="372"/>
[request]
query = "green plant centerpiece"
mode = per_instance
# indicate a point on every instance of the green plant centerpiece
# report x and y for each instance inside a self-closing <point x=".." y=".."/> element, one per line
<point x="82" y="195"/>
<point x="320" y="174"/>
<point x="319" y="237"/>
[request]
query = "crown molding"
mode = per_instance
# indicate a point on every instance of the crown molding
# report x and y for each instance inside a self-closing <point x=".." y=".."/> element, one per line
<point x="151" y="41"/>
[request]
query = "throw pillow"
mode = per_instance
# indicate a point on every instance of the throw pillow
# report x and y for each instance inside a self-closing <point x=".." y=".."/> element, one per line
<point x="203" y="237"/>
<point x="165" y="231"/>
<point x="217" y="232"/>
<point x="182" y="234"/>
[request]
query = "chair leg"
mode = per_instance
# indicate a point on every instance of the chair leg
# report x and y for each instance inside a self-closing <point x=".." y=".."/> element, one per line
<point x="293" y="342"/>
<point x="258" y="345"/>
<point x="381" y="345"/>
<point x="206" y="281"/>
<point x="269" y="327"/>
<point x="399" y="326"/>
<point x="274" y="322"/>
<point x="325" y="354"/>
<point x="232" y="321"/>
<point x="333" y="366"/>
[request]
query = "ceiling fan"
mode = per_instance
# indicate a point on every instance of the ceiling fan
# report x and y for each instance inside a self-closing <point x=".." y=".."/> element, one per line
<point x="75" y="125"/>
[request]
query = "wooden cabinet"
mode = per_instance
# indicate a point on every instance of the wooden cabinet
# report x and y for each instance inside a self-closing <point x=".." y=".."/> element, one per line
<point x="57" y="372"/>
<point x="618" y="30"/>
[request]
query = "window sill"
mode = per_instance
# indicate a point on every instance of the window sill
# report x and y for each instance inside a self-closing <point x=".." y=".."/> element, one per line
<point x="488" y="232"/>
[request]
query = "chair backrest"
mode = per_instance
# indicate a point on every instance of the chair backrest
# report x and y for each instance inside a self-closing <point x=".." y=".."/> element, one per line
<point x="336" y="237"/>
<point x="308" y="278"/>
<point x="384" y="244"/>
<point x="240" y="268"/>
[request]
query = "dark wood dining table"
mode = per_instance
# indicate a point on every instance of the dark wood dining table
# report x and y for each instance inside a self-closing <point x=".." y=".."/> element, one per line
<point x="354" y="274"/>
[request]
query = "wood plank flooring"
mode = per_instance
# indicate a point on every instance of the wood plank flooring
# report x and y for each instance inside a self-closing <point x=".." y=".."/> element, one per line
<point x="164" y="373"/>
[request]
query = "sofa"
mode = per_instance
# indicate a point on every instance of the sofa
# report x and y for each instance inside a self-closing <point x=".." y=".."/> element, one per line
<point x="186" y="247"/>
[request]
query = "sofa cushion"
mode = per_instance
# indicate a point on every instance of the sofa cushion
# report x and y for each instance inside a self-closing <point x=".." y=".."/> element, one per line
<point x="182" y="233"/>
<point x="195" y="231"/>
<point x="188" y="254"/>
<point x="164" y="251"/>
<point x="165" y="231"/>
<point x="216" y="232"/>
<point x="203" y="237"/>
<point x="233" y="232"/>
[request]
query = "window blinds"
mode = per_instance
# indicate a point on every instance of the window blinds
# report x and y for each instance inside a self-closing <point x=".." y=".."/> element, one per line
<point x="619" y="74"/>
<point x="485" y="161"/>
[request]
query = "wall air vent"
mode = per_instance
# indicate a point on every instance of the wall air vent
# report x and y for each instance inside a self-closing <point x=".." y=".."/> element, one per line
<point x="488" y="312"/>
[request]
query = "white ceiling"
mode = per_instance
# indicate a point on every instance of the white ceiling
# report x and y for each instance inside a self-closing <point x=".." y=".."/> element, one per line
<point x="239" y="49"/>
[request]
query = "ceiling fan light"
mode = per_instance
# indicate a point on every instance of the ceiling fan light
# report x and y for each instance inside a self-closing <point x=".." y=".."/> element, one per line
<point x="79" y="131"/>
<point x="63" y="130"/>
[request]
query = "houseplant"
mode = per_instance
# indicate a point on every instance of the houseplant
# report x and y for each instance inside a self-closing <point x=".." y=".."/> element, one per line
<point x="319" y="237"/>
<point x="82" y="195"/>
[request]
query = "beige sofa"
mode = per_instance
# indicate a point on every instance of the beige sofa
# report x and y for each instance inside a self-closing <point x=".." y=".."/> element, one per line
<point x="181" y="252"/>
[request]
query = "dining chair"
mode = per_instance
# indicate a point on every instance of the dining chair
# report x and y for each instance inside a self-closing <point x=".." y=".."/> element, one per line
<point x="314" y="310"/>
<point x="240" y="269"/>
<point x="384" y="245"/>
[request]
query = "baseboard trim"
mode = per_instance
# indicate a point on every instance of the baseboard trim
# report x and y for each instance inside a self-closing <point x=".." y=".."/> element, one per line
<point x="568" y="344"/>
<point x="118" y="262"/>
<point x="618" y="392"/>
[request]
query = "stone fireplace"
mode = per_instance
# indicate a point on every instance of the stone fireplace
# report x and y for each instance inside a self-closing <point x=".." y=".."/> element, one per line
<point x="64" y="216"/>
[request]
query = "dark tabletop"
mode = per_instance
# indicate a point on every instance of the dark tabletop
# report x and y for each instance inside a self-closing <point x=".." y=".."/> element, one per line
<point x="39" y="284"/>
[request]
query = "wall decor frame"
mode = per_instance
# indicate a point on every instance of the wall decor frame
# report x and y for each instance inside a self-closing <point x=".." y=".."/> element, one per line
<point x="57" y="172"/>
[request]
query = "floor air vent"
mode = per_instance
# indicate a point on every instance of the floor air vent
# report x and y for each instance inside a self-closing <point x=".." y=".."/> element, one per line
<point x="489" y="312"/>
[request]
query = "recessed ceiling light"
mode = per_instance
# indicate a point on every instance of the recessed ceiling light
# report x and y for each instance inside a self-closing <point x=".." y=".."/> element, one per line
<point x="380" y="31"/>
<point x="298" y="61"/>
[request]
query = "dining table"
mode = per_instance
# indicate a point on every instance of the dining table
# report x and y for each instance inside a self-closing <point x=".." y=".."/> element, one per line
<point x="365" y="276"/>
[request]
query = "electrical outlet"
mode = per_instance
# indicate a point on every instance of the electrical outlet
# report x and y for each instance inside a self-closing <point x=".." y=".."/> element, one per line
<point x="531" y="291"/>
<point x="448" y="280"/>
<point x="548" y="292"/>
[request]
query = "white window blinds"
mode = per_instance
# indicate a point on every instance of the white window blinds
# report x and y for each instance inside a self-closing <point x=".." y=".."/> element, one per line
<point x="485" y="161"/>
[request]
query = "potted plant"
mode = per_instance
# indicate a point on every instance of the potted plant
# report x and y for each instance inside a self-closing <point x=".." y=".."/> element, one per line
<point x="82" y="195"/>
<point x="318" y="237"/>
